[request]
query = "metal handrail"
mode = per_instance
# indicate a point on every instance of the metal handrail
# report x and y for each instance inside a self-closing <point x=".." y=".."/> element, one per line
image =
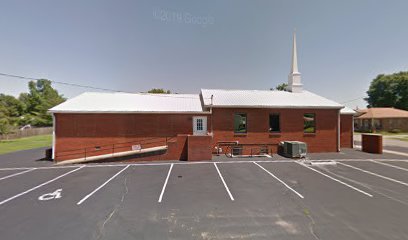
<point x="99" y="148"/>
<point x="114" y="143"/>
<point x="111" y="147"/>
<point x="228" y="150"/>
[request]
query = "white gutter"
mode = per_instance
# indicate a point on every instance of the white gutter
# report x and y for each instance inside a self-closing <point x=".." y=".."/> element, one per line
<point x="277" y="106"/>
<point x="127" y="112"/>
<point x="352" y="133"/>
<point x="53" y="136"/>
<point x="211" y="122"/>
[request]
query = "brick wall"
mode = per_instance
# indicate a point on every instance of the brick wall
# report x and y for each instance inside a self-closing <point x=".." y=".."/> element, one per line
<point x="372" y="143"/>
<point x="384" y="124"/>
<point x="199" y="148"/>
<point x="79" y="131"/>
<point x="291" y="124"/>
<point x="389" y="124"/>
<point x="346" y="131"/>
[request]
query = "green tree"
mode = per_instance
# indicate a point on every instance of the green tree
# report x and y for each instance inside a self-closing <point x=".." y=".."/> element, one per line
<point x="5" y="127"/>
<point x="389" y="91"/>
<point x="11" y="106"/>
<point x="281" y="87"/>
<point x="10" y="109"/>
<point x="40" y="98"/>
<point x="159" y="90"/>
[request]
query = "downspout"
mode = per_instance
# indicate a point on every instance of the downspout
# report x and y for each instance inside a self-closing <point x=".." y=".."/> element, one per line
<point x="53" y="136"/>
<point x="338" y="131"/>
<point x="352" y="132"/>
<point x="212" y="133"/>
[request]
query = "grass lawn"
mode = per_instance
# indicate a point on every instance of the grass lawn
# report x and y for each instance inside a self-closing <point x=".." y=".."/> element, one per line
<point x="384" y="133"/>
<point x="402" y="139"/>
<point x="392" y="134"/>
<point x="13" y="145"/>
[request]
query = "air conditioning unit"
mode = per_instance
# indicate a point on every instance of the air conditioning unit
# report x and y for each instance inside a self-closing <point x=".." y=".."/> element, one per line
<point x="294" y="149"/>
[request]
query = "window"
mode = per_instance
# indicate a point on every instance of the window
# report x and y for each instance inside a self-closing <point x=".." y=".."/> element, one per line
<point x="309" y="123"/>
<point x="240" y="123"/>
<point x="274" y="122"/>
<point x="199" y="124"/>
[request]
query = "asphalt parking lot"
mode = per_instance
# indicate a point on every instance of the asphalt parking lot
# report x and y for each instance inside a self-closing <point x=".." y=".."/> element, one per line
<point x="255" y="198"/>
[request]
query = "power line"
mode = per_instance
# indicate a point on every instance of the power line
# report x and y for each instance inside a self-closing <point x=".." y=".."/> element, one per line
<point x="120" y="91"/>
<point x="62" y="83"/>
<point x="352" y="100"/>
<point x="92" y="87"/>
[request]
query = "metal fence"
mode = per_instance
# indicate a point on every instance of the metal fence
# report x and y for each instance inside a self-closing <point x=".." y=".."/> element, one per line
<point x="27" y="133"/>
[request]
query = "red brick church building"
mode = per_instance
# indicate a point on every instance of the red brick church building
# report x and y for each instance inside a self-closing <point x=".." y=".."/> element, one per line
<point x="97" y="126"/>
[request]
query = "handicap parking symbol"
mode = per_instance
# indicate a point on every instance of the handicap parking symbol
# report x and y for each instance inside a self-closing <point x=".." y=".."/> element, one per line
<point x="49" y="196"/>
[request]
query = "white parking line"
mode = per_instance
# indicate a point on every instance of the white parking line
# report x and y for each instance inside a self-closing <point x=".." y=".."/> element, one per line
<point x="395" y="152"/>
<point x="101" y="186"/>
<point x="16" y="174"/>
<point x="286" y="185"/>
<point x="337" y="180"/>
<point x="223" y="181"/>
<point x="187" y="163"/>
<point x="390" y="165"/>
<point x="36" y="187"/>
<point x="165" y="183"/>
<point x="392" y="160"/>
<point x="18" y="168"/>
<point x="375" y="174"/>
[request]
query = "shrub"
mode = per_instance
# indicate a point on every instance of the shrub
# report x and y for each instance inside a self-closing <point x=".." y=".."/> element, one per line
<point x="395" y="130"/>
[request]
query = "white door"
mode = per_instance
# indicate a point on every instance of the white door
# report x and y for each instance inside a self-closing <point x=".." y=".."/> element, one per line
<point x="199" y="125"/>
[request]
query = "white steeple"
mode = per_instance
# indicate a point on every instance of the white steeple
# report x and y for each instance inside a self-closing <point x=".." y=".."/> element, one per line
<point x="294" y="80"/>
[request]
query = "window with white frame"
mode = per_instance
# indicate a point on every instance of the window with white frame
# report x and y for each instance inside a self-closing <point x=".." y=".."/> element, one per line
<point x="309" y="125"/>
<point x="199" y="124"/>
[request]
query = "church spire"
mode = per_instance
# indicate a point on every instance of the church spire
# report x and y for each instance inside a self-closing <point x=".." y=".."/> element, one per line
<point x="294" y="55"/>
<point x="294" y="79"/>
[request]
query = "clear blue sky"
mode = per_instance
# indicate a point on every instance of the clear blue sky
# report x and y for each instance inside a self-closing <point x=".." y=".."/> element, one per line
<point x="187" y="45"/>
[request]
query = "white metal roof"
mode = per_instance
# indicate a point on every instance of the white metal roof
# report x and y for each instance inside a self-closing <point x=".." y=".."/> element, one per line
<point x="265" y="99"/>
<point x="347" y="110"/>
<point x="95" y="102"/>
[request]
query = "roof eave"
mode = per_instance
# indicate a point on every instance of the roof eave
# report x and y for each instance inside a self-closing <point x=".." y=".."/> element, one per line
<point x="281" y="107"/>
<point x="129" y="112"/>
<point x="365" y="117"/>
